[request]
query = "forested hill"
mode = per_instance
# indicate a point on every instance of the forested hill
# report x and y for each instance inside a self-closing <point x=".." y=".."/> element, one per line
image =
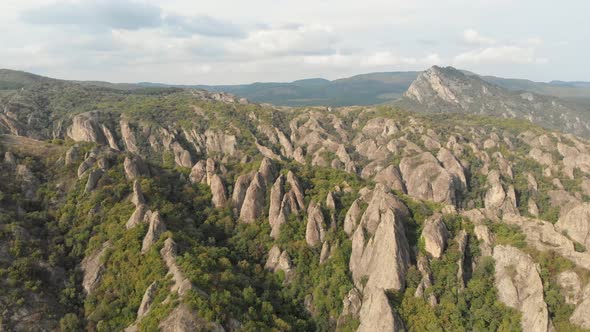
<point x="185" y="210"/>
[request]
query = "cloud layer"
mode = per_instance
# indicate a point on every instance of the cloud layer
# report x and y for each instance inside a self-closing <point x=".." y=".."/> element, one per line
<point x="266" y="40"/>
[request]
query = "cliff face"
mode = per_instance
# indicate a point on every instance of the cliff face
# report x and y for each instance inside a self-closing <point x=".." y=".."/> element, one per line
<point x="194" y="210"/>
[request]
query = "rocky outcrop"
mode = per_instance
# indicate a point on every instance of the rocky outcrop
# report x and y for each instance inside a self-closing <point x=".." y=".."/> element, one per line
<point x="296" y="189"/>
<point x="315" y="228"/>
<point x="137" y="194"/>
<point x="435" y="235"/>
<point x="520" y="287"/>
<point x="497" y="200"/>
<point x="218" y="192"/>
<point x="253" y="200"/>
<point x="240" y="189"/>
<point x="391" y="178"/>
<point x="383" y="257"/>
<point x="72" y="155"/>
<point x="486" y="239"/>
<point x="183" y="319"/>
<point x="134" y="167"/>
<point x="351" y="306"/>
<point x="462" y="241"/>
<point x="581" y="315"/>
<point x="426" y="281"/>
<point x="376" y="314"/>
<point x="352" y="217"/>
<point x="28" y="181"/>
<point x="325" y="253"/>
<point x="453" y="166"/>
<point x="147" y="299"/>
<point x="426" y="179"/>
<point x="155" y="229"/>
<point x="92" y="268"/>
<point x="181" y="284"/>
<point x="85" y="128"/>
<point x="220" y="142"/>
<point x="276" y="199"/>
<point x="128" y="136"/>
<point x="279" y="261"/>
<point x="92" y="181"/>
<point x="199" y="172"/>
<point x="139" y="215"/>
<point x="268" y="171"/>
<point x="576" y="224"/>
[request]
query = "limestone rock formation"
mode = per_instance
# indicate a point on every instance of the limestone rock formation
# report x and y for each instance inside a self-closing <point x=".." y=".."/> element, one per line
<point x="391" y="178"/>
<point x="376" y="314"/>
<point x="199" y="172"/>
<point x="85" y="128"/>
<point x="576" y="224"/>
<point x="155" y="229"/>
<point x="181" y="284"/>
<point x="384" y="257"/>
<point x="92" y="268"/>
<point x="426" y="179"/>
<point x="253" y="200"/>
<point x="435" y="235"/>
<point x="276" y="199"/>
<point x="498" y="200"/>
<point x="92" y="181"/>
<point x="279" y="261"/>
<point x="352" y="217"/>
<point x="137" y="194"/>
<point x="239" y="192"/>
<point x="520" y="287"/>
<point x="315" y="228"/>
<point x="218" y="191"/>
<point x="183" y="319"/>
<point x="297" y="190"/>
<point x="147" y="299"/>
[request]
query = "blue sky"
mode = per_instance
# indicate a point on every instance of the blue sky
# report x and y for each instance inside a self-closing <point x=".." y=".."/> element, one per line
<point x="228" y="42"/>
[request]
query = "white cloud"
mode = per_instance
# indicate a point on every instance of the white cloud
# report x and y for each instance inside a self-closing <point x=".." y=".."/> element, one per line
<point x="313" y="39"/>
<point x="498" y="55"/>
<point x="333" y="60"/>
<point x="471" y="36"/>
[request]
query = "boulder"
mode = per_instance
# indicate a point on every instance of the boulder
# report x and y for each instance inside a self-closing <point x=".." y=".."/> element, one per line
<point x="581" y="315"/>
<point x="134" y="167"/>
<point x="520" y="287"/>
<point x="454" y="167"/>
<point x="279" y="261"/>
<point x="325" y="253"/>
<point x="137" y="195"/>
<point x="571" y="286"/>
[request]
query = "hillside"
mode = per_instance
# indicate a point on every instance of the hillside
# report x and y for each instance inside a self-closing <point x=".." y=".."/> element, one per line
<point x="450" y="90"/>
<point x="184" y="210"/>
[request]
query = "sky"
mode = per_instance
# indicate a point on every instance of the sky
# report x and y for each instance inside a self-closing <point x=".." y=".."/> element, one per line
<point x="235" y="42"/>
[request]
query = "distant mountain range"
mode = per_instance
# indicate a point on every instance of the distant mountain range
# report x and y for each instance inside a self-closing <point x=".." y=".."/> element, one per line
<point x="373" y="88"/>
<point x="364" y="89"/>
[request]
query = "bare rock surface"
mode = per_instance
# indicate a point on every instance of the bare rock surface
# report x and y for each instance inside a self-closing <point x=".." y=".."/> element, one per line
<point x="520" y="287"/>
